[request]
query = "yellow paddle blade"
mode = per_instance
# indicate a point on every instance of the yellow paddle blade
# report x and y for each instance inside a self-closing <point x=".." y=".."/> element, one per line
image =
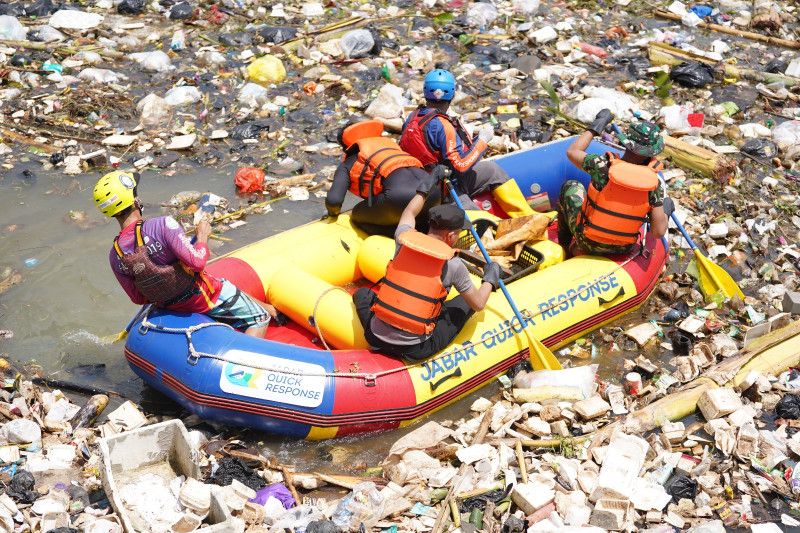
<point x="713" y="279"/>
<point x="111" y="339"/>
<point x="540" y="355"/>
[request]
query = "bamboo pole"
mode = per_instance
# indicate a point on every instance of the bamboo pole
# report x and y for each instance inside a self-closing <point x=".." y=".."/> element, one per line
<point x="733" y="31"/>
<point x="708" y="163"/>
<point x="771" y="354"/>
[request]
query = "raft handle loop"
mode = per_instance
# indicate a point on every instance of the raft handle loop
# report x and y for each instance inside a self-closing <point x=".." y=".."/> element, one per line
<point x="313" y="318"/>
<point x="370" y="380"/>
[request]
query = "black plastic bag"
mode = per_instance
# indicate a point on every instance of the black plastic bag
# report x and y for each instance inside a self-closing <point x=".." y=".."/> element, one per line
<point x="479" y="501"/>
<point x="20" y="488"/>
<point x="248" y="130"/>
<point x="277" y="34"/>
<point x="12" y="10"/>
<point x="692" y="74"/>
<point x="322" y="526"/>
<point x="229" y="468"/>
<point x="40" y="8"/>
<point x="776" y="66"/>
<point x="181" y="11"/>
<point x="130" y="7"/>
<point x="762" y="148"/>
<point x="63" y="530"/>
<point x="788" y="407"/>
<point x="514" y="525"/>
<point x="680" y="486"/>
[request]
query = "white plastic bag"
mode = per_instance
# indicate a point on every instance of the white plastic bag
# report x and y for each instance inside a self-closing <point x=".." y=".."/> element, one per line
<point x="183" y="95"/>
<point x="253" y="95"/>
<point x="526" y="7"/>
<point x="579" y="377"/>
<point x="787" y="134"/>
<point x="357" y="43"/>
<point x="12" y="29"/>
<point x="481" y="14"/>
<point x="49" y="34"/>
<point x="154" y="111"/>
<point x="72" y="19"/>
<point x="155" y="61"/>
<point x="390" y="103"/>
<point x="101" y="75"/>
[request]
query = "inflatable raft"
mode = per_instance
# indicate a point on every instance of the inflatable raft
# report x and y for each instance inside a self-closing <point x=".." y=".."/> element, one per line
<point x="316" y="378"/>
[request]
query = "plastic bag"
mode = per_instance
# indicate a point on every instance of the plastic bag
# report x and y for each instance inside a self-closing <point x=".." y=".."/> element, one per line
<point x="154" y="111"/>
<point x="266" y="70"/>
<point x="692" y="74"/>
<point x="362" y="506"/>
<point x="181" y="11"/>
<point x="12" y="29"/>
<point x="481" y="14"/>
<point x="71" y="19"/>
<point x="579" y="377"/>
<point x="130" y="7"/>
<point x="788" y="407"/>
<point x="526" y="7"/>
<point x="48" y="34"/>
<point x="40" y="8"/>
<point x="357" y="43"/>
<point x="155" y="61"/>
<point x="680" y="486"/>
<point x="277" y="34"/>
<point x="322" y="526"/>
<point x="101" y="75"/>
<point x="183" y="95"/>
<point x="776" y="66"/>
<point x="253" y="94"/>
<point x="787" y="134"/>
<point x="248" y="130"/>
<point x="760" y="148"/>
<point x="249" y="180"/>
<point x="276" y="490"/>
<point x="390" y="103"/>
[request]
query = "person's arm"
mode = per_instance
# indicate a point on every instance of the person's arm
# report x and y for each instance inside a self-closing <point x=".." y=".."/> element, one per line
<point x="476" y="298"/>
<point x="193" y="255"/>
<point x="577" y="150"/>
<point x="443" y="137"/>
<point x="340" y="185"/>
<point x="409" y="215"/>
<point x="661" y="208"/>
<point x="658" y="222"/>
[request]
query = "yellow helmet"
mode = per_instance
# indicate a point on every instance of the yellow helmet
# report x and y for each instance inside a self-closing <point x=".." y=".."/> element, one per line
<point x="115" y="192"/>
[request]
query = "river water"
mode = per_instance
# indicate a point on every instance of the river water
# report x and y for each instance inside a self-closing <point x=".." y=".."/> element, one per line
<point x="69" y="299"/>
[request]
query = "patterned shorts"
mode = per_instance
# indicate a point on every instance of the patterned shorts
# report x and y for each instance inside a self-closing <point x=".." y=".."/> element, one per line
<point x="237" y="309"/>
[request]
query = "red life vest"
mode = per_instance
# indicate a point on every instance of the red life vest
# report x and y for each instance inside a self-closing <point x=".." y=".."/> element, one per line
<point x="615" y="214"/>
<point x="377" y="158"/>
<point x="414" y="141"/>
<point x="411" y="295"/>
<point x="162" y="285"/>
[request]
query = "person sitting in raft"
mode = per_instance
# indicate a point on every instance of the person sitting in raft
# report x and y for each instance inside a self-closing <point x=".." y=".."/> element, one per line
<point x="156" y="263"/>
<point x="376" y="169"/>
<point x="407" y="315"/>
<point x="433" y="137"/>
<point x="623" y="193"/>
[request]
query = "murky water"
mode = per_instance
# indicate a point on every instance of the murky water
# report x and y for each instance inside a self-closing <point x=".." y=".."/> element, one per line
<point x="69" y="299"/>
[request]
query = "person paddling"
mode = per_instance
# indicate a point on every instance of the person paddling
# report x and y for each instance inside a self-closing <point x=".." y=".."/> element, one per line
<point x="623" y="192"/>
<point x="406" y="315"/>
<point x="377" y="170"/>
<point x="434" y="137"/>
<point x="156" y="263"/>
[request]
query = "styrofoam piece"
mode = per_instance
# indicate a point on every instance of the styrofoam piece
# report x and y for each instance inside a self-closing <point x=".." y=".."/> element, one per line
<point x="159" y="447"/>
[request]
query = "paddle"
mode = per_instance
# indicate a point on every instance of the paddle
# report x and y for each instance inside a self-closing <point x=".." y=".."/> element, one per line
<point x="712" y="278"/>
<point x="540" y="355"/>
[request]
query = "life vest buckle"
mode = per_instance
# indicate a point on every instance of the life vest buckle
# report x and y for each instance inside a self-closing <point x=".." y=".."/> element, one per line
<point x="370" y="380"/>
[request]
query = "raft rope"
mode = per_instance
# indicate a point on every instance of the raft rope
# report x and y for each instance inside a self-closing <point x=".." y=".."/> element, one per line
<point x="314" y="313"/>
<point x="369" y="378"/>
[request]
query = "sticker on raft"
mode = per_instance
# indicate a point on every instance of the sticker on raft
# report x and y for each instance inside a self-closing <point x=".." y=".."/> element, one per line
<point x="302" y="384"/>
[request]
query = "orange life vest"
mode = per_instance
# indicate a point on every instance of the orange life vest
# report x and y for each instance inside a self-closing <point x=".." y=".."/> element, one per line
<point x="411" y="295"/>
<point x="162" y="285"/>
<point x="377" y="158"/>
<point x="615" y="214"/>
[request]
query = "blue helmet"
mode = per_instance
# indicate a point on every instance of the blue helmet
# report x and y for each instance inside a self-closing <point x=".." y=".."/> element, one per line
<point x="439" y="84"/>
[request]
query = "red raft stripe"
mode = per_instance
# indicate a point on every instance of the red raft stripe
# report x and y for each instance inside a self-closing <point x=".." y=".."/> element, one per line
<point x="145" y="365"/>
<point x="388" y="393"/>
<point x="240" y="273"/>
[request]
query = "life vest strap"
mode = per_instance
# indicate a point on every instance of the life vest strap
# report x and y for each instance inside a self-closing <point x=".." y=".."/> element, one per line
<point x="586" y="222"/>
<point x="377" y="172"/>
<point x="614" y="213"/>
<point x="417" y="295"/>
<point x="405" y="314"/>
<point x="139" y="237"/>
<point x="366" y="168"/>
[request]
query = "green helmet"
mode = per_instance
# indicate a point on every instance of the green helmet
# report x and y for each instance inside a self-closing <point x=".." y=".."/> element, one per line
<point x="644" y="138"/>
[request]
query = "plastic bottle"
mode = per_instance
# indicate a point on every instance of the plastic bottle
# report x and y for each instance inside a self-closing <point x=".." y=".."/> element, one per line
<point x="178" y="40"/>
<point x="31" y="262"/>
<point x="794" y="480"/>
